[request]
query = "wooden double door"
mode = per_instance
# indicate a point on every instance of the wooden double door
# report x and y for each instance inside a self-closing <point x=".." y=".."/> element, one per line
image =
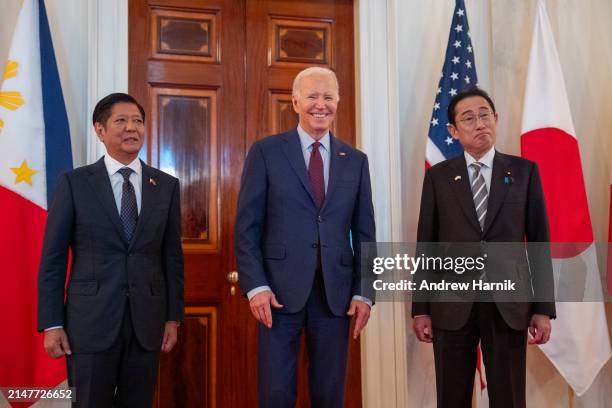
<point x="214" y="76"/>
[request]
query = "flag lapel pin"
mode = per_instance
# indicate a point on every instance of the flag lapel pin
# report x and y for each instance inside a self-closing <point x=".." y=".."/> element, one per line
<point x="152" y="181"/>
<point x="341" y="154"/>
<point x="508" y="179"/>
<point x="457" y="178"/>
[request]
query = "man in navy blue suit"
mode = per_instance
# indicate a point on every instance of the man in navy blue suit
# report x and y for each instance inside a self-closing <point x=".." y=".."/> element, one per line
<point x="304" y="195"/>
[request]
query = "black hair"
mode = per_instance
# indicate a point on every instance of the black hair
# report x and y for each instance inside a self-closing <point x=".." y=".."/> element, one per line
<point x="104" y="107"/>
<point x="474" y="91"/>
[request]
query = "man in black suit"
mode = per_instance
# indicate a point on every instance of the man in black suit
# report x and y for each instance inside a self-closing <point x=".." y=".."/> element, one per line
<point x="118" y="221"/>
<point x="488" y="198"/>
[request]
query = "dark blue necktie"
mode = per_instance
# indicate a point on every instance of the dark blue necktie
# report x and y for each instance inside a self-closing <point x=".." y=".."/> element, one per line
<point x="129" y="208"/>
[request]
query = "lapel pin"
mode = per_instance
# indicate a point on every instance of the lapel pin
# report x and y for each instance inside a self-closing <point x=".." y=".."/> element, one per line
<point x="457" y="178"/>
<point x="152" y="181"/>
<point x="508" y="179"/>
<point x="341" y="154"/>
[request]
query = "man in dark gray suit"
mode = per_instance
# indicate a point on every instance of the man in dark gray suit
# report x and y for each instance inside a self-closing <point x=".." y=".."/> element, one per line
<point x="304" y="193"/>
<point x="117" y="223"/>
<point x="494" y="200"/>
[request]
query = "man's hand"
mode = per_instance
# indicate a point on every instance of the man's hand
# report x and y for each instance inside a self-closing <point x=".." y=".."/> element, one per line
<point x="539" y="328"/>
<point x="170" y="336"/>
<point x="361" y="312"/>
<point x="260" y="307"/>
<point x="423" y="329"/>
<point x="56" y="343"/>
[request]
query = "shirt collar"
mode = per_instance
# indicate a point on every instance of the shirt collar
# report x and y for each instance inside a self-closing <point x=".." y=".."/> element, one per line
<point x="486" y="160"/>
<point x="306" y="140"/>
<point x="112" y="165"/>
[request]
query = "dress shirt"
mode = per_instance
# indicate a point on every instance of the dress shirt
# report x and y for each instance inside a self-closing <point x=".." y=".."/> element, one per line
<point x="116" y="179"/>
<point x="306" y="141"/>
<point x="486" y="169"/>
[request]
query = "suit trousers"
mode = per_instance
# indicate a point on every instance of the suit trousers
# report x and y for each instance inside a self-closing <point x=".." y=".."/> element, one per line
<point x="122" y="376"/>
<point x="504" y="355"/>
<point x="278" y="349"/>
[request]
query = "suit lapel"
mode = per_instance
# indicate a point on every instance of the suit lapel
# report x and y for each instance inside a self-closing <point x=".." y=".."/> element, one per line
<point x="101" y="185"/>
<point x="148" y="201"/>
<point x="337" y="162"/>
<point x="499" y="189"/>
<point x="293" y="150"/>
<point x="460" y="183"/>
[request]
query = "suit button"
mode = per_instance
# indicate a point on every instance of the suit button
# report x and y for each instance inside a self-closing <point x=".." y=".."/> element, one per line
<point x="315" y="245"/>
<point x="319" y="219"/>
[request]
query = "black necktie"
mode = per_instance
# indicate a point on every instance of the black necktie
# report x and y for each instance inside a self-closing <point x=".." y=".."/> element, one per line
<point x="129" y="209"/>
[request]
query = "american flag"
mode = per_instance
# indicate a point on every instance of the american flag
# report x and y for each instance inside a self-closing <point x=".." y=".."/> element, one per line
<point x="458" y="74"/>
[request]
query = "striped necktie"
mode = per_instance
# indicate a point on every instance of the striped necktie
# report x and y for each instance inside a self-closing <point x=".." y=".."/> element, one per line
<point x="480" y="193"/>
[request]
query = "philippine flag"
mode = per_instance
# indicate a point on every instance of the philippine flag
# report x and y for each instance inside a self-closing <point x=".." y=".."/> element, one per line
<point x="34" y="149"/>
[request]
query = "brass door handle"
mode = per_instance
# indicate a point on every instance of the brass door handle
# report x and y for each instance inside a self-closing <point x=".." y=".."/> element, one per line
<point x="232" y="277"/>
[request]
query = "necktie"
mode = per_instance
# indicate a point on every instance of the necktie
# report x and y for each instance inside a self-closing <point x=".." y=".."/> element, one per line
<point x="480" y="193"/>
<point x="129" y="209"/>
<point x="315" y="174"/>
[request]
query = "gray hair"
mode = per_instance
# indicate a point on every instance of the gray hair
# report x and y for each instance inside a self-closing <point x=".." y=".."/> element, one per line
<point x="313" y="71"/>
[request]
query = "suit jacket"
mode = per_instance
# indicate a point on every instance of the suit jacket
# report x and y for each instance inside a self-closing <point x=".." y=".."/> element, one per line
<point x="516" y="213"/>
<point x="105" y="270"/>
<point x="279" y="229"/>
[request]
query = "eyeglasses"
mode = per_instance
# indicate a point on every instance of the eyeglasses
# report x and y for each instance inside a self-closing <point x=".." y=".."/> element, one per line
<point x="486" y="117"/>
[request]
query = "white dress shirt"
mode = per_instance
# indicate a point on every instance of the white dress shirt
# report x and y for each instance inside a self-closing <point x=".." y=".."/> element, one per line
<point x="116" y="179"/>
<point x="486" y="169"/>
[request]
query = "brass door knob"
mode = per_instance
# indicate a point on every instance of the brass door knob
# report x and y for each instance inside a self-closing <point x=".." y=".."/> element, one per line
<point x="232" y="277"/>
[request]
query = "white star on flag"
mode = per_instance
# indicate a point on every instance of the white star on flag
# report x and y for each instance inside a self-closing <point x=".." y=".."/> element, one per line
<point x="449" y="140"/>
<point x="457" y="44"/>
<point x="452" y="92"/>
<point x="467" y="79"/>
<point x="468" y="64"/>
<point x="469" y="48"/>
<point x="459" y="28"/>
<point x="434" y="122"/>
<point x="456" y="60"/>
<point x="437" y="106"/>
<point x="460" y="12"/>
<point x="439" y="90"/>
<point x="454" y="76"/>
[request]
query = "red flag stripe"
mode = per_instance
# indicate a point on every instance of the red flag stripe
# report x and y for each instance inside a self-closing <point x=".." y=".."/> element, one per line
<point x="22" y="229"/>
<point x="558" y="158"/>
